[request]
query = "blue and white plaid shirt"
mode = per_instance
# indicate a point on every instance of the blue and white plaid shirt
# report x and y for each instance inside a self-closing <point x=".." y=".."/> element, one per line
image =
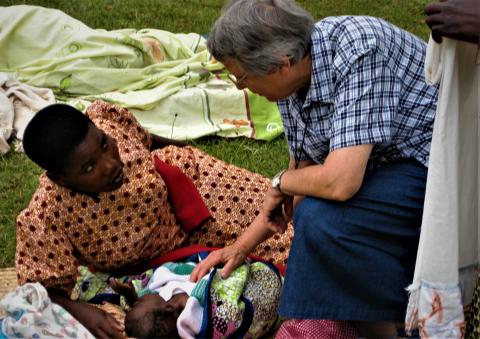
<point x="367" y="87"/>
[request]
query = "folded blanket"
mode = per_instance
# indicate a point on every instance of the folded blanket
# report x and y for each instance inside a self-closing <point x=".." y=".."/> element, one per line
<point x="169" y="80"/>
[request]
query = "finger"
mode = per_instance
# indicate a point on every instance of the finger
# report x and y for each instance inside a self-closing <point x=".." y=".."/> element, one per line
<point x="272" y="225"/>
<point x="113" y="282"/>
<point x="100" y="333"/>
<point x="288" y="208"/>
<point x="281" y="225"/>
<point x="433" y="8"/>
<point x="229" y="267"/>
<point x="204" y="266"/>
<point x="113" y="328"/>
<point x="434" y="20"/>
<point x="437" y="37"/>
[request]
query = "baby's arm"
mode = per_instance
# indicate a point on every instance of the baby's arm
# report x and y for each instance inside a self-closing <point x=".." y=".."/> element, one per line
<point x="125" y="289"/>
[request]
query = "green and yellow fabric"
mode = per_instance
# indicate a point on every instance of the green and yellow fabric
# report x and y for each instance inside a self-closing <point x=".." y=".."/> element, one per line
<point x="168" y="80"/>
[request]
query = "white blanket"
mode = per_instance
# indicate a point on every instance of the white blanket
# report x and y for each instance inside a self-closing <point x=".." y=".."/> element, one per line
<point x="29" y="313"/>
<point x="18" y="103"/>
<point x="447" y="259"/>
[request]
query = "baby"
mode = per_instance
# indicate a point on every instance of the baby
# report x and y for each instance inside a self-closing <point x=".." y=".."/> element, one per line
<point x="167" y="304"/>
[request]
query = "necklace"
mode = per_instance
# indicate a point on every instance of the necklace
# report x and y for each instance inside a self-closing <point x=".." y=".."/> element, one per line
<point x="298" y="151"/>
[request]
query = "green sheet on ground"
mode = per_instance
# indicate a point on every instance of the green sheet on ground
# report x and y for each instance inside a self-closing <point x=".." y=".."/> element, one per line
<point x="168" y="80"/>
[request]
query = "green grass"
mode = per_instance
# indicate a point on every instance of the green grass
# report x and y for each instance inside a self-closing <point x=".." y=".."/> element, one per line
<point x="18" y="176"/>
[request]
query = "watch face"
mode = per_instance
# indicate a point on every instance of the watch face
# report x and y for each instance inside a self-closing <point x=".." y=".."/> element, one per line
<point x="275" y="182"/>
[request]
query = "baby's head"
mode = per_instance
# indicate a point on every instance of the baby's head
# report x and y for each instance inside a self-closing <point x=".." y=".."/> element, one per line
<point x="73" y="151"/>
<point x="153" y="317"/>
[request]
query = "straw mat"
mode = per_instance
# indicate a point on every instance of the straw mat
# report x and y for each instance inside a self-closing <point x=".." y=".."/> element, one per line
<point x="8" y="281"/>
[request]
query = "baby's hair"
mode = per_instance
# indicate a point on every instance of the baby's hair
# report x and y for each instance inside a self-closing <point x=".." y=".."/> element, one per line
<point x="52" y="136"/>
<point x="148" y="327"/>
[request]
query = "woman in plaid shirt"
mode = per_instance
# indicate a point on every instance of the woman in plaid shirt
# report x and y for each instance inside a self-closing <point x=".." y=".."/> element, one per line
<point x="358" y="119"/>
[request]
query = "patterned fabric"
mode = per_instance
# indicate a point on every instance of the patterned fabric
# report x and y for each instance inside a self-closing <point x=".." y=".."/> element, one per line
<point x="93" y="287"/>
<point x="61" y="228"/>
<point x="472" y="330"/>
<point x="367" y="87"/>
<point x="29" y="313"/>
<point x="318" y="329"/>
<point x="245" y="304"/>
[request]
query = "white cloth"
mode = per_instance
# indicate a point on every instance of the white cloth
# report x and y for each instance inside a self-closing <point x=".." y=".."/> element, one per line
<point x="29" y="313"/>
<point x="189" y="322"/>
<point x="167" y="284"/>
<point x="447" y="257"/>
<point x="18" y="103"/>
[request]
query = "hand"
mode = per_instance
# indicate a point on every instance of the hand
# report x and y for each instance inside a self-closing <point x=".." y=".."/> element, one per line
<point x="288" y="207"/>
<point x="231" y="256"/>
<point x="456" y="19"/>
<point x="125" y="289"/>
<point x="98" y="322"/>
<point x="273" y="216"/>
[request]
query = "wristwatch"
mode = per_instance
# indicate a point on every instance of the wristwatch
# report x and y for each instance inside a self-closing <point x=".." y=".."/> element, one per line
<point x="277" y="180"/>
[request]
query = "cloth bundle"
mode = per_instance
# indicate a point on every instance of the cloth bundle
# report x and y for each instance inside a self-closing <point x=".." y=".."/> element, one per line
<point x="29" y="313"/>
<point x="18" y="103"/>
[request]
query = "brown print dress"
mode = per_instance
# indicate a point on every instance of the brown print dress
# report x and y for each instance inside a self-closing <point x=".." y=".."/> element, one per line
<point x="234" y="197"/>
<point x="60" y="228"/>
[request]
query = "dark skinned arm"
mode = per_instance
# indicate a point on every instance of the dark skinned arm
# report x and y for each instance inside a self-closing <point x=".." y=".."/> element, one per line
<point x="101" y="324"/>
<point x="161" y="142"/>
<point x="455" y="19"/>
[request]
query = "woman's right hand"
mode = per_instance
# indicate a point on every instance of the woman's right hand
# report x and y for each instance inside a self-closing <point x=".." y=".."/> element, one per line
<point x="231" y="256"/>
<point x="100" y="323"/>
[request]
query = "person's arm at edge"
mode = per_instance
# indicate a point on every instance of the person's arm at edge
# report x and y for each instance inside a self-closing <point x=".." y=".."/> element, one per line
<point x="455" y="19"/>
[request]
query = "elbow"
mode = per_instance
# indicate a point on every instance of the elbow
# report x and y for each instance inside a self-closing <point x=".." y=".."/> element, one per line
<point x="344" y="192"/>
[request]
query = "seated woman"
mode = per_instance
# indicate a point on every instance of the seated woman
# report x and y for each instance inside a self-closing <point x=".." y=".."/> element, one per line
<point x="102" y="202"/>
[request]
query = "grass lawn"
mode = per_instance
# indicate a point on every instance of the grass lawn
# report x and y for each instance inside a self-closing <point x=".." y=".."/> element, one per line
<point x="18" y="176"/>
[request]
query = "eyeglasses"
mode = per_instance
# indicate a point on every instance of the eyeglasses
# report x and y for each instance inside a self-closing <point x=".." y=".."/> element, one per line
<point x="236" y="80"/>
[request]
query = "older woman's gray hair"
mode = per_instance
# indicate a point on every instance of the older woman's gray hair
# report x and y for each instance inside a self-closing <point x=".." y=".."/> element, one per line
<point x="259" y="34"/>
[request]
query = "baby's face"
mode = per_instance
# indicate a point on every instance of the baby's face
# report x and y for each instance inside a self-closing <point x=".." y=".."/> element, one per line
<point x="155" y="315"/>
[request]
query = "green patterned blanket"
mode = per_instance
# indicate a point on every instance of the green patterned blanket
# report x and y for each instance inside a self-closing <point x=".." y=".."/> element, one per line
<point x="168" y="80"/>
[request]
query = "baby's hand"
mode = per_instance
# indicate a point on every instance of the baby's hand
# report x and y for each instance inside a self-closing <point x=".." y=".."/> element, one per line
<point x="125" y="289"/>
